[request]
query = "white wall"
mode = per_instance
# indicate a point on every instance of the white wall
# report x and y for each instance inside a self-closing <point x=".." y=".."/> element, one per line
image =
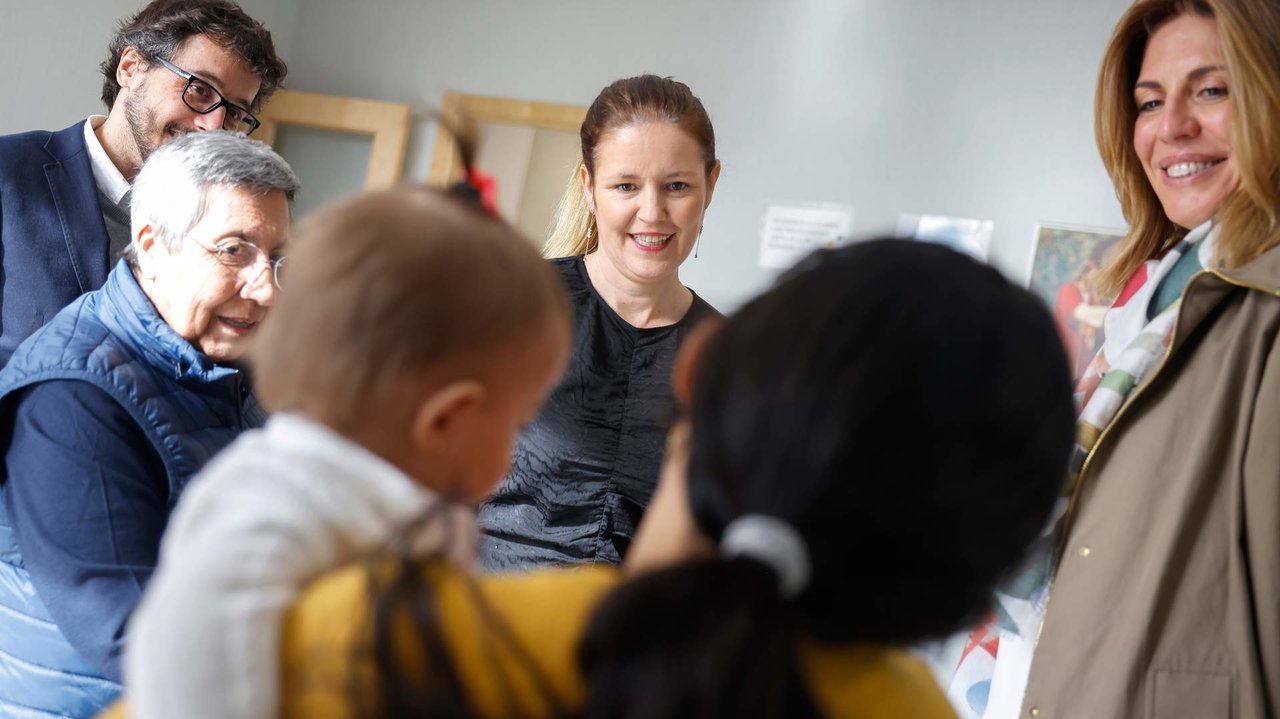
<point x="971" y="109"/>
<point x="49" y="55"/>
<point x="50" y="50"/>
<point x="930" y="106"/>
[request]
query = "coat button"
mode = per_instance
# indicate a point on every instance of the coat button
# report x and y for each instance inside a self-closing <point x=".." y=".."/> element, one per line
<point x="1085" y="551"/>
<point x="1035" y="711"/>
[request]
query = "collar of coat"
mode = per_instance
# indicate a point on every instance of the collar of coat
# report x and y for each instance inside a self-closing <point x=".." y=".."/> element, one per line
<point x="1262" y="273"/>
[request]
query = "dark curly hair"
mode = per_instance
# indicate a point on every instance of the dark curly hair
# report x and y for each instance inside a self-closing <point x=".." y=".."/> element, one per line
<point x="160" y="27"/>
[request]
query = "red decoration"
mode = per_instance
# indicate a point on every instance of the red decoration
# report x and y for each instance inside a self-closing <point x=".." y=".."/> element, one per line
<point x="487" y="187"/>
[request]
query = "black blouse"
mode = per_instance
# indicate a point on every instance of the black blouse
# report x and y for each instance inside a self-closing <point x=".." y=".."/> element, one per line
<point x="584" y="470"/>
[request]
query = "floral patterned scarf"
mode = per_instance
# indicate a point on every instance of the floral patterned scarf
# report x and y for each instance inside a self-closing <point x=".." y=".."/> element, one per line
<point x="992" y="673"/>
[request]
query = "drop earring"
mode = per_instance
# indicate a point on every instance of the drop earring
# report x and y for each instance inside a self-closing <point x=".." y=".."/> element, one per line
<point x="697" y="243"/>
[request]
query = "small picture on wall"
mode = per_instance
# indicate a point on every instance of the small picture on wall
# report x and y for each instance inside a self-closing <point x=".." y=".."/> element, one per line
<point x="972" y="237"/>
<point x="1064" y="258"/>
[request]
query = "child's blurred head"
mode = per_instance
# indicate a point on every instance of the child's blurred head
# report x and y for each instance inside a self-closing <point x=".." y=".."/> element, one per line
<point x="905" y="409"/>
<point x="419" y="327"/>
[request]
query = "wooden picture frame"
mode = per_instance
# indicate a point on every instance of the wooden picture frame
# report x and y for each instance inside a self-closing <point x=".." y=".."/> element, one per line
<point x="530" y="149"/>
<point x="458" y="110"/>
<point x="386" y="122"/>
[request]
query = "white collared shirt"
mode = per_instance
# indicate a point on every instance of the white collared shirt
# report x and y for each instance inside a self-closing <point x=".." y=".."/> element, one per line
<point x="106" y="176"/>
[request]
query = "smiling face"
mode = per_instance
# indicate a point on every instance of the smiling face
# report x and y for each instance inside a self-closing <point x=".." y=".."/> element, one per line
<point x="213" y="306"/>
<point x="648" y="194"/>
<point x="151" y="94"/>
<point x="1183" y="130"/>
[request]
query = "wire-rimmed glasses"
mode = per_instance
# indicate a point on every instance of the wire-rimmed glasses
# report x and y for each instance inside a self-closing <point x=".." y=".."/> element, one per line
<point x="244" y="257"/>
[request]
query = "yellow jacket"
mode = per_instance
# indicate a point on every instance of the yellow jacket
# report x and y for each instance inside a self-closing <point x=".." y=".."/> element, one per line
<point x="546" y="612"/>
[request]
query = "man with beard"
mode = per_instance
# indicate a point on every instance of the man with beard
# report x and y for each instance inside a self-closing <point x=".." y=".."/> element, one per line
<point x="176" y="67"/>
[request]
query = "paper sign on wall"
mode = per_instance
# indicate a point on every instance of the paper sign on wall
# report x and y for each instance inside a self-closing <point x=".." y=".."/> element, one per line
<point x="972" y="237"/>
<point x="791" y="232"/>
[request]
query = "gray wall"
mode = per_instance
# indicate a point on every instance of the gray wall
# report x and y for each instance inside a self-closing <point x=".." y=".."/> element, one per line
<point x="931" y="106"/>
<point x="50" y="50"/>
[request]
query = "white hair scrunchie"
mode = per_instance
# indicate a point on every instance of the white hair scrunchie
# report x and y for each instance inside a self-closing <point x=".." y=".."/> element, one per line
<point x="775" y="544"/>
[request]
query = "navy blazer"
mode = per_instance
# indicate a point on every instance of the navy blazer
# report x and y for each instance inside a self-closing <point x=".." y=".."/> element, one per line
<point x="53" y="241"/>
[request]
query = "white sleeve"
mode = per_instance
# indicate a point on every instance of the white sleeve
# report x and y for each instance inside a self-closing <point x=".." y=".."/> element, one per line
<point x="242" y="544"/>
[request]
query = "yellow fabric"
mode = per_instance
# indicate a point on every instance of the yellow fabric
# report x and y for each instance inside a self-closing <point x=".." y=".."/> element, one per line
<point x="546" y="613"/>
<point x="330" y="624"/>
<point x="867" y="682"/>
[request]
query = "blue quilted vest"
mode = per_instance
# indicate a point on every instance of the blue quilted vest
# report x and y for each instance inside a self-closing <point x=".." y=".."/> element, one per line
<point x="189" y="408"/>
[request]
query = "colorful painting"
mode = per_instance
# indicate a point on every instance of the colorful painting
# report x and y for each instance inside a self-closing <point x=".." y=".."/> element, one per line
<point x="1065" y="256"/>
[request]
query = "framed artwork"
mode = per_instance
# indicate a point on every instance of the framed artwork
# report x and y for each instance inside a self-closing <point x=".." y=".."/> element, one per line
<point x="337" y="145"/>
<point x="530" y="148"/>
<point x="387" y="123"/>
<point x="1064" y="258"/>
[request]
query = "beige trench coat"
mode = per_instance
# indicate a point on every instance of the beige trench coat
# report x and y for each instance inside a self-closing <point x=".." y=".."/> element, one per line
<point x="1166" y="601"/>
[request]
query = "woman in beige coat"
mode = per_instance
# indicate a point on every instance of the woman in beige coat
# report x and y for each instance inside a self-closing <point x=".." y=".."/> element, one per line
<point x="1159" y="595"/>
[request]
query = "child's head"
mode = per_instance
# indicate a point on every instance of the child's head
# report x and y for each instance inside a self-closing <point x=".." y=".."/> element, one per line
<point x="419" y="327"/>
<point x="905" y="410"/>
<point x="908" y="410"/>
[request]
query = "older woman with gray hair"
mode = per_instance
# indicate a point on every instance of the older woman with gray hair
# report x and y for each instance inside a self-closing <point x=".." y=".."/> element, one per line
<point x="109" y="409"/>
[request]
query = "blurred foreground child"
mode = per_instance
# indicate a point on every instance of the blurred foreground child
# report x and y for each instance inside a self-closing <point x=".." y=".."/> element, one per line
<point x="417" y="336"/>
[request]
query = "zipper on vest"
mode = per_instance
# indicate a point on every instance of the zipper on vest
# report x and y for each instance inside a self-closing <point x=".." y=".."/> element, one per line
<point x="241" y="395"/>
<point x="1075" y="491"/>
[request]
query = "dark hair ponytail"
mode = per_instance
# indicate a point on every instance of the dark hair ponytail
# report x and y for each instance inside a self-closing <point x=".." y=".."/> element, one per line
<point x="708" y="639"/>
<point x="432" y="688"/>
<point x="904" y="410"/>
<point x="411" y="671"/>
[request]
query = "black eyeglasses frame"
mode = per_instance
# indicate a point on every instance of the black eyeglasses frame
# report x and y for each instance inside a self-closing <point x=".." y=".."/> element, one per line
<point x="249" y="118"/>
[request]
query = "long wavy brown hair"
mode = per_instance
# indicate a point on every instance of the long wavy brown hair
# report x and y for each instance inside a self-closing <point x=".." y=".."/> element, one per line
<point x="1250" y="34"/>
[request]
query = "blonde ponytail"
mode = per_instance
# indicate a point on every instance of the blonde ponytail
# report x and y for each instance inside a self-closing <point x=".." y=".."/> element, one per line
<point x="645" y="98"/>
<point x="574" y="232"/>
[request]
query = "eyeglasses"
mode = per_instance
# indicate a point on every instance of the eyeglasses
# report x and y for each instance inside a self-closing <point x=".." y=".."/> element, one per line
<point x="204" y="98"/>
<point x="244" y="257"/>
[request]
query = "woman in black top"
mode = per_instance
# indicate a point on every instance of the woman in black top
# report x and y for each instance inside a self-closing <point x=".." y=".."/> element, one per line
<point x="584" y="471"/>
